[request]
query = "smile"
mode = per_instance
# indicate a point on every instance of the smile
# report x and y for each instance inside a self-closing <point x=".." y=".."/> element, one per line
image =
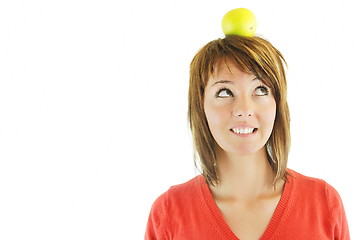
<point x="244" y="130"/>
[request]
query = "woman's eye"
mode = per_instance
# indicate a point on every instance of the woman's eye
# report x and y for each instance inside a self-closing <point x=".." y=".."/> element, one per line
<point x="261" y="91"/>
<point x="223" y="93"/>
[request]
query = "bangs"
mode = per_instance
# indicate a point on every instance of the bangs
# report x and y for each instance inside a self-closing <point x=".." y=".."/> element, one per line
<point x="250" y="57"/>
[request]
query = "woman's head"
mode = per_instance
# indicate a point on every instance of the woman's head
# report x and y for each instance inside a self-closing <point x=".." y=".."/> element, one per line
<point x="253" y="56"/>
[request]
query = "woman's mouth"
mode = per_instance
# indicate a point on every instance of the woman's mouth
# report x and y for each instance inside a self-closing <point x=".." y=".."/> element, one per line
<point x="244" y="131"/>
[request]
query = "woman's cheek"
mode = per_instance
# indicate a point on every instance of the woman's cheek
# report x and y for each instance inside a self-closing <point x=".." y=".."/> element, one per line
<point x="216" y="114"/>
<point x="269" y="113"/>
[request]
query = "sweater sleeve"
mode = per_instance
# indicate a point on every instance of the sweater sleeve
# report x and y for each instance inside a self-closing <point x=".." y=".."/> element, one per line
<point x="157" y="221"/>
<point x="338" y="217"/>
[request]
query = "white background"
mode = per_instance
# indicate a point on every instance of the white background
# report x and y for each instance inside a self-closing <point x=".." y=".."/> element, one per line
<point x="93" y="104"/>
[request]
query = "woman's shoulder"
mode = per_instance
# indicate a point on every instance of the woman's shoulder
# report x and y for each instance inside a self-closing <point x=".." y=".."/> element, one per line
<point x="302" y="180"/>
<point x="318" y="201"/>
<point x="181" y="193"/>
<point x="169" y="207"/>
<point x="313" y="187"/>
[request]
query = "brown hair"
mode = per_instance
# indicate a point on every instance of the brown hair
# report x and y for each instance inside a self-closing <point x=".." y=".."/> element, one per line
<point x="253" y="55"/>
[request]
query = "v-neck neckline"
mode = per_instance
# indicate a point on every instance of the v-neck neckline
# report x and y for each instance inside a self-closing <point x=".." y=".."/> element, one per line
<point x="280" y="214"/>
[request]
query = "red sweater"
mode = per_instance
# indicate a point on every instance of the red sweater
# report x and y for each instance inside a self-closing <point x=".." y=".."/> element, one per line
<point x="308" y="209"/>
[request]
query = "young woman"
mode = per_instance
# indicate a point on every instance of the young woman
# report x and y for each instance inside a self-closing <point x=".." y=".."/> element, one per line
<point x="239" y="119"/>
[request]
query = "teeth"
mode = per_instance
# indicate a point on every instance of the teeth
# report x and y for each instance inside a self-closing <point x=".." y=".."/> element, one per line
<point x="243" y="130"/>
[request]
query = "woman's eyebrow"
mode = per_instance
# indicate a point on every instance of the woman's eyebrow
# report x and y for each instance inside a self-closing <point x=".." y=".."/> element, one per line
<point x="230" y="82"/>
<point x="222" y="81"/>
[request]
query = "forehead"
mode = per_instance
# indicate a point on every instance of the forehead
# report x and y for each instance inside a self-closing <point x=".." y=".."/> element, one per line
<point x="232" y="66"/>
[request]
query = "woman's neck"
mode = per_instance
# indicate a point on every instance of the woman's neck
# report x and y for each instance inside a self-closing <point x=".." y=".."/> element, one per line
<point x="244" y="178"/>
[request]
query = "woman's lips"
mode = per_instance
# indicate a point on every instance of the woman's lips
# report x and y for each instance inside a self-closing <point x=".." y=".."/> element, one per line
<point x="244" y="130"/>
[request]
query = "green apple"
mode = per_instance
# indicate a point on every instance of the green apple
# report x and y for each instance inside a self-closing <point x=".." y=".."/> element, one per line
<point x="239" y="21"/>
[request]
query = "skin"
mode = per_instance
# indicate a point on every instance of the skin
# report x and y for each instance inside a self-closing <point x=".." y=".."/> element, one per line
<point x="246" y="195"/>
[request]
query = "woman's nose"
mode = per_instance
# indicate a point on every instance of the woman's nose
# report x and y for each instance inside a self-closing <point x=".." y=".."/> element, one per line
<point x="243" y="108"/>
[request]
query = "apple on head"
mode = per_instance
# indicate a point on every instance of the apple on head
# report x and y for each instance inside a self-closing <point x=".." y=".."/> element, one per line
<point x="239" y="21"/>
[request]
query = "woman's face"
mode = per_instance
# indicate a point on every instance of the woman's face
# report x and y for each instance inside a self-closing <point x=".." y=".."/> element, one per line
<point x="240" y="110"/>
